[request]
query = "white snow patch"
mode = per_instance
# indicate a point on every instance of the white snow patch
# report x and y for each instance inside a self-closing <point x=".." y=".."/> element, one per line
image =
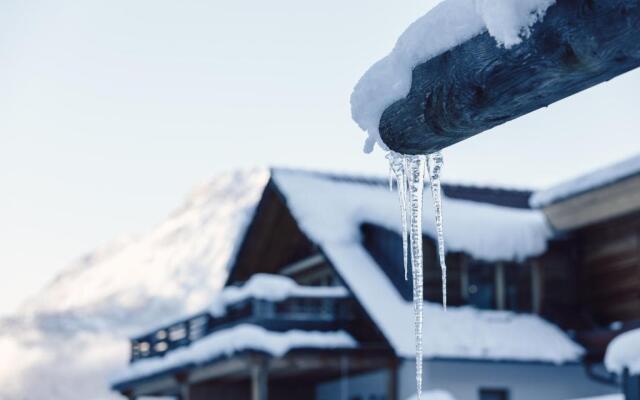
<point x="434" y="395"/>
<point x="232" y="340"/>
<point x="459" y="332"/>
<point x="624" y="353"/>
<point x="585" y="183"/>
<point x="607" y="397"/>
<point x="447" y="25"/>
<point x="272" y="288"/>
<point x="332" y="212"/>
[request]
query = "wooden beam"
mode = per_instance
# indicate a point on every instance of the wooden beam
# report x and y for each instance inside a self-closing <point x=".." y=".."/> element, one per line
<point x="303" y="265"/>
<point x="156" y="387"/>
<point x="479" y="85"/>
<point x="236" y="366"/>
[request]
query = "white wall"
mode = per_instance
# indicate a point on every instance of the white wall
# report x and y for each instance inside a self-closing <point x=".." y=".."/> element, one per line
<point x="463" y="379"/>
<point x="370" y="386"/>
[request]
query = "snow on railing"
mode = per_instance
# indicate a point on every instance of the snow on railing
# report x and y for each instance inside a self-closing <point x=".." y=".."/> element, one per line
<point x="307" y="312"/>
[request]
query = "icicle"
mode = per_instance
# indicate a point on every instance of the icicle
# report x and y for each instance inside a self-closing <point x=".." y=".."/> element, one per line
<point x="398" y="166"/>
<point x="415" y="177"/>
<point x="409" y="171"/>
<point x="434" y="165"/>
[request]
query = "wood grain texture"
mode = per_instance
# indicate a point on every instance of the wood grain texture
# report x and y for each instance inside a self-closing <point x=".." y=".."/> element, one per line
<point x="479" y="85"/>
<point x="610" y="269"/>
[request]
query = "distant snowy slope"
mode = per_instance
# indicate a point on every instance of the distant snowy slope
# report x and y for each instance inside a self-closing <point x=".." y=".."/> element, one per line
<point x="66" y="341"/>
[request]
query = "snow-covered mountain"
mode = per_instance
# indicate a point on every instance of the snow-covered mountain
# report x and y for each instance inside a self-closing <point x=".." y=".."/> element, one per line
<point x="67" y="341"/>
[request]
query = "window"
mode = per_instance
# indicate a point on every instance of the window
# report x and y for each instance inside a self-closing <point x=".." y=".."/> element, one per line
<point x="481" y="281"/>
<point x="484" y="285"/>
<point x="494" y="394"/>
<point x="502" y="286"/>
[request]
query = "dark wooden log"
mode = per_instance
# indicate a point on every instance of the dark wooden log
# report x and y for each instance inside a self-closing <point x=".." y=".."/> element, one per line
<point x="479" y="85"/>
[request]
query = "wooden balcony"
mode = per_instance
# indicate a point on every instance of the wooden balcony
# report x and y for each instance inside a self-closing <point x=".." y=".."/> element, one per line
<point x="304" y="313"/>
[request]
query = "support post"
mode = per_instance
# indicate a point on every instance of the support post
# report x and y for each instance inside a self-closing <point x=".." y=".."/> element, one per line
<point x="500" y="287"/>
<point x="185" y="388"/>
<point x="344" y="377"/>
<point x="392" y="387"/>
<point x="185" y="391"/>
<point x="630" y="385"/>
<point x="260" y="379"/>
<point x="536" y="287"/>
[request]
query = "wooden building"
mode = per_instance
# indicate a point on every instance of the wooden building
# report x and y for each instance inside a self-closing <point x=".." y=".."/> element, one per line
<point x="536" y="295"/>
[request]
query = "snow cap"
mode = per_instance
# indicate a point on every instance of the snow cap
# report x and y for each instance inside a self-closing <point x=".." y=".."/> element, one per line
<point x="445" y="26"/>
<point x="624" y="353"/>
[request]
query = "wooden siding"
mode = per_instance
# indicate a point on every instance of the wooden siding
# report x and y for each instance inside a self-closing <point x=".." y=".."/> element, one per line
<point x="610" y="269"/>
<point x="560" y="302"/>
<point x="273" y="239"/>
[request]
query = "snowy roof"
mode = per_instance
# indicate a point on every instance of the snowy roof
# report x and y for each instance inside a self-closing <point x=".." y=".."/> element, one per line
<point x="330" y="213"/>
<point x="434" y="395"/>
<point x="594" y="180"/>
<point x="624" y="353"/>
<point x="330" y="210"/>
<point x="447" y="25"/>
<point x="270" y="287"/>
<point x="230" y="341"/>
<point x="607" y="397"/>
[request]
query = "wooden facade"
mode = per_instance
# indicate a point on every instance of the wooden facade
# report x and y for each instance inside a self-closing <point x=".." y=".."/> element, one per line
<point x="610" y="269"/>
<point x="273" y="239"/>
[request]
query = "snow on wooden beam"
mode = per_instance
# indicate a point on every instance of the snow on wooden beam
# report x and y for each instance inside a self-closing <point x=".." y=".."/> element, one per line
<point x="479" y="85"/>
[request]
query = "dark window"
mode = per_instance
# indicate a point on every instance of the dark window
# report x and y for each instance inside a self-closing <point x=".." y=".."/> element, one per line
<point x="482" y="285"/>
<point x="385" y="246"/>
<point x="511" y="281"/>
<point x="518" y="294"/>
<point x="494" y="394"/>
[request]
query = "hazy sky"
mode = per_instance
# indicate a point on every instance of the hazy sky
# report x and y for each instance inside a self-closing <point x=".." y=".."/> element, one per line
<point x="110" y="111"/>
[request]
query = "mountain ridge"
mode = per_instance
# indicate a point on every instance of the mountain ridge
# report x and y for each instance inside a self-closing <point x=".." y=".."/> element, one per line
<point x="72" y="335"/>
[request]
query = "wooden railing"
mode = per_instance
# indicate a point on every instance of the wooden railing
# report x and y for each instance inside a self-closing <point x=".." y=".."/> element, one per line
<point x="308" y="313"/>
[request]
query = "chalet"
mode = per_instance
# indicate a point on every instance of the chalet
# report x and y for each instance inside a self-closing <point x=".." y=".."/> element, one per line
<point x="316" y="305"/>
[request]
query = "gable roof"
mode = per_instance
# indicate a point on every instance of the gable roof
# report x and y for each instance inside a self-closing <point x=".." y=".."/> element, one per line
<point x="330" y="210"/>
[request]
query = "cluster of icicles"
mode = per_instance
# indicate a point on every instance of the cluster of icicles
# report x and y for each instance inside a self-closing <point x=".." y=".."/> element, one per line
<point x="409" y="172"/>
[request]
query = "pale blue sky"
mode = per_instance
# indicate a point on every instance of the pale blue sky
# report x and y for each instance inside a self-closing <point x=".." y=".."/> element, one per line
<point x="110" y="111"/>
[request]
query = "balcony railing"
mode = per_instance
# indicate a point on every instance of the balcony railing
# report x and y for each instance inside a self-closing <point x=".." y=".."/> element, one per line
<point x="307" y="313"/>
